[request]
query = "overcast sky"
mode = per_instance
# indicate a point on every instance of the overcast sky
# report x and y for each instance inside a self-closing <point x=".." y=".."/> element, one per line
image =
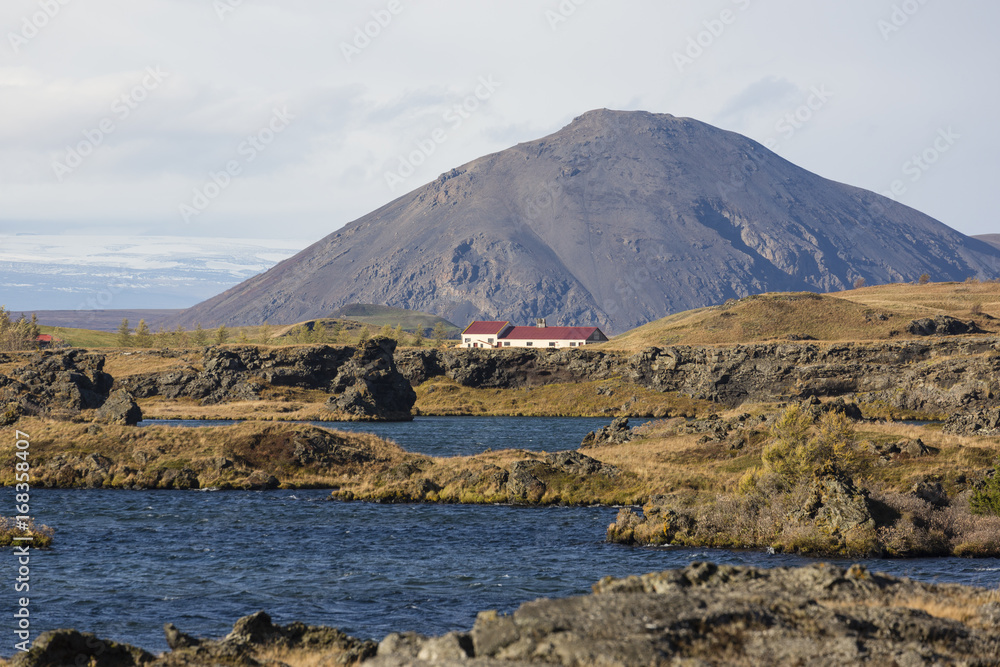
<point x="114" y="114"/>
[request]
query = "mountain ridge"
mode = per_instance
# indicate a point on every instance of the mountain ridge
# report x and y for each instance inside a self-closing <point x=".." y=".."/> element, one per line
<point x="617" y="219"/>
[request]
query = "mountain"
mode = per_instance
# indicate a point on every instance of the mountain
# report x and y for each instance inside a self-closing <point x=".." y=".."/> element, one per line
<point x="618" y="219"/>
<point x="992" y="239"/>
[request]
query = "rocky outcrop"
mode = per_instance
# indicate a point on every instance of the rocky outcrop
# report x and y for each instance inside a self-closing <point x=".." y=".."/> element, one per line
<point x="704" y="614"/>
<point x="942" y="325"/>
<point x="616" y="433"/>
<point x="363" y="381"/>
<point x="835" y="506"/>
<point x="933" y="376"/>
<point x="56" y="383"/>
<point x="252" y="456"/>
<point x="980" y="422"/>
<point x="252" y="636"/>
<point x="120" y="408"/>
<point x="725" y="615"/>
<point x="57" y="648"/>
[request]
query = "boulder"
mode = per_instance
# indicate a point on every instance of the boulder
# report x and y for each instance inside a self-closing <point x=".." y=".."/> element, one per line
<point x="835" y="505"/>
<point x="523" y="483"/>
<point x="58" y="648"/>
<point x="121" y="409"/>
<point x="942" y="325"/>
<point x="616" y="433"/>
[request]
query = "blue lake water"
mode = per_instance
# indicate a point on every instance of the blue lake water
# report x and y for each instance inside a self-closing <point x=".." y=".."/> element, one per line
<point x="462" y="436"/>
<point x="126" y="562"/>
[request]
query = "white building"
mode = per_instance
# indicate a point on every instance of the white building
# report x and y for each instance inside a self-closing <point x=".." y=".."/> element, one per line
<point x="503" y="334"/>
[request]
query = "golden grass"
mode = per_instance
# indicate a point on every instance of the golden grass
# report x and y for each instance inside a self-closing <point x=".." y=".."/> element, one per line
<point x="871" y="313"/>
<point x="953" y="603"/>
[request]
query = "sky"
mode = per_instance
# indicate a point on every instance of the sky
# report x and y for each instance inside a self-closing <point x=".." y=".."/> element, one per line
<point x="287" y="119"/>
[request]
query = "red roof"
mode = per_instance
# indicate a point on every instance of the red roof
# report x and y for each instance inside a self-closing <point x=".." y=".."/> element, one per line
<point x="44" y="338"/>
<point x="550" y="333"/>
<point x="484" y="328"/>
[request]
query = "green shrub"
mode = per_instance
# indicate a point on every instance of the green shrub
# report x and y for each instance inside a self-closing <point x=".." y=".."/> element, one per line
<point x="986" y="498"/>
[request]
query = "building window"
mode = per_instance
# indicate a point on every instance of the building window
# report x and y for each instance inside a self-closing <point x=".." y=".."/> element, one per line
<point x="552" y="344"/>
<point x="506" y="343"/>
<point x="468" y="340"/>
<point x="572" y="344"/>
<point x="528" y="343"/>
<point x="489" y="340"/>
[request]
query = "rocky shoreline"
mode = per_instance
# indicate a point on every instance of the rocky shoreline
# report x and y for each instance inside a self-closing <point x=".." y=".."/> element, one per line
<point x="703" y="614"/>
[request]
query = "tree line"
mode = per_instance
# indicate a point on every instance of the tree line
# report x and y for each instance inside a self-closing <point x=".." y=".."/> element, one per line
<point x="318" y="334"/>
<point x="20" y="334"/>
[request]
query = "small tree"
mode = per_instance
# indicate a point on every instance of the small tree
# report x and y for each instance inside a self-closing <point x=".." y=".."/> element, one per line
<point x="241" y="337"/>
<point x="162" y="337"/>
<point x="319" y="334"/>
<point x="924" y="278"/>
<point x="143" y="336"/>
<point x="124" y="338"/>
<point x="418" y="337"/>
<point x="221" y="335"/>
<point x="397" y="333"/>
<point x="200" y="335"/>
<point x="335" y="331"/>
<point x="440" y="333"/>
<point x="180" y="337"/>
<point x="363" y="336"/>
<point x="386" y="331"/>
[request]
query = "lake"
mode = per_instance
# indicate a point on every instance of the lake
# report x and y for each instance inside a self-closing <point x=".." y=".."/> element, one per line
<point x="126" y="562"/>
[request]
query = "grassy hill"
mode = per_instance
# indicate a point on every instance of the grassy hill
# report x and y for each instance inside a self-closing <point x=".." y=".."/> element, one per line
<point x="379" y="316"/>
<point x="868" y="313"/>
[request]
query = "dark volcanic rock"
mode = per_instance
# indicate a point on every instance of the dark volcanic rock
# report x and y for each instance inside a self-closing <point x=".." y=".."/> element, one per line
<point x="979" y="422"/>
<point x="59" y="648"/>
<point x="363" y="382"/>
<point x="725" y="615"/>
<point x="944" y="375"/>
<point x="120" y="408"/>
<point x="942" y="325"/>
<point x="54" y="382"/>
<point x="616" y="433"/>
<point x="618" y="219"/>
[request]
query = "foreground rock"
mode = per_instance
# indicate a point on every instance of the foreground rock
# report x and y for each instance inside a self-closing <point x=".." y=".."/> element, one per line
<point x="701" y="615"/>
<point x="252" y="636"/>
<point x="724" y="615"/>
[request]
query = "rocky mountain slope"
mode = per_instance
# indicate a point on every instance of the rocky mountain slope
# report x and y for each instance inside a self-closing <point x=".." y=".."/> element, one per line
<point x="620" y="218"/>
